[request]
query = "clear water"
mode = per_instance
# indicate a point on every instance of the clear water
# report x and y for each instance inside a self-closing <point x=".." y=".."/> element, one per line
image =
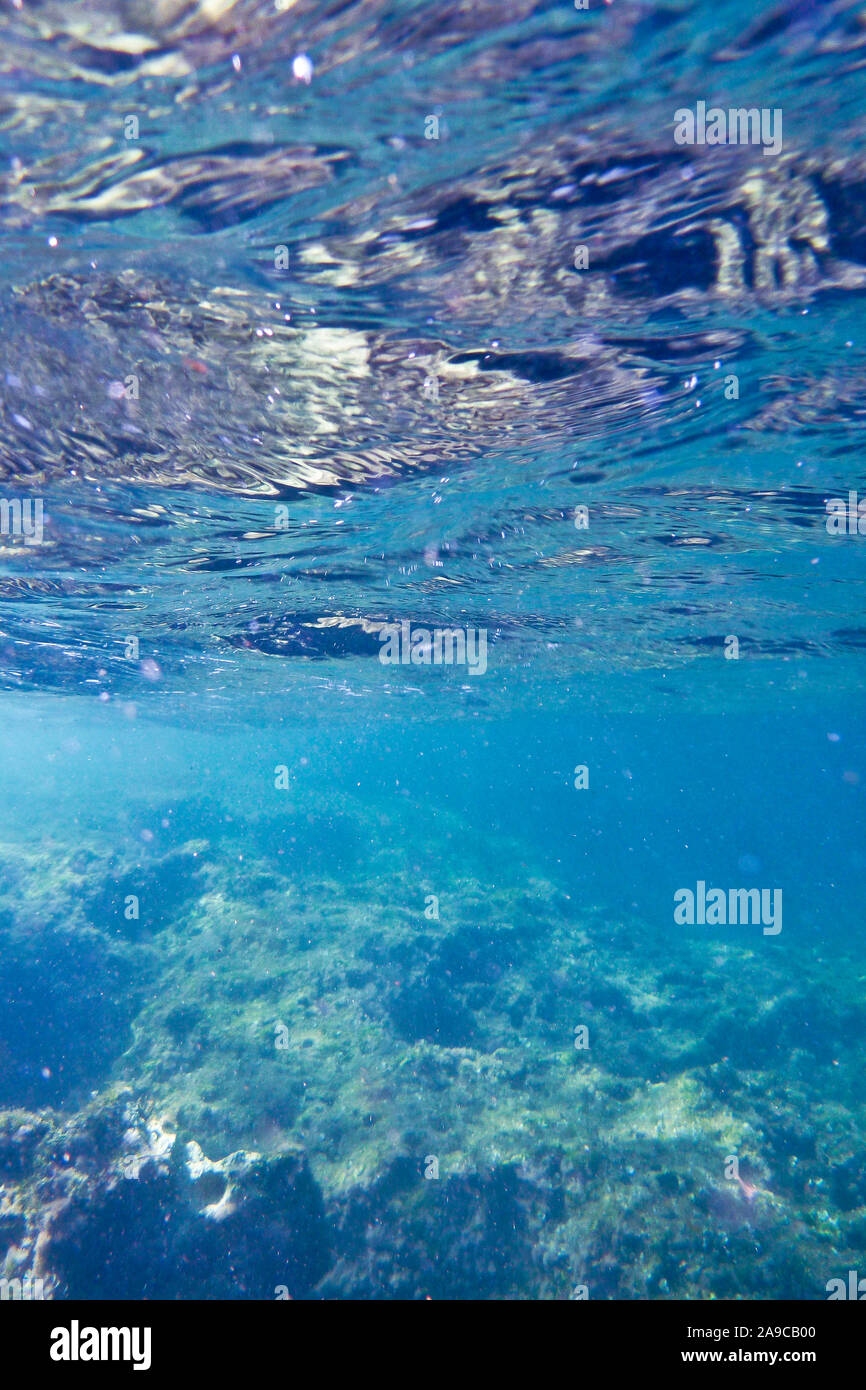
<point x="297" y="945"/>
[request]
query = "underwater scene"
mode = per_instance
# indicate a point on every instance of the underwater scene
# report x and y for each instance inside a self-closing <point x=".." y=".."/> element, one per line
<point x="432" y="649"/>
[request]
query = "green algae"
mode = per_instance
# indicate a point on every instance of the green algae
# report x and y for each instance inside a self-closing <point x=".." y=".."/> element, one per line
<point x="282" y="1015"/>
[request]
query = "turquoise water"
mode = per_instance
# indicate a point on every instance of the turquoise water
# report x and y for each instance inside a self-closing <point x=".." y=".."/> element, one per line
<point x="324" y="976"/>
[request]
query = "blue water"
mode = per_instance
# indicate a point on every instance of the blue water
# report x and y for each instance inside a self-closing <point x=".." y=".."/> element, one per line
<point x="297" y="946"/>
